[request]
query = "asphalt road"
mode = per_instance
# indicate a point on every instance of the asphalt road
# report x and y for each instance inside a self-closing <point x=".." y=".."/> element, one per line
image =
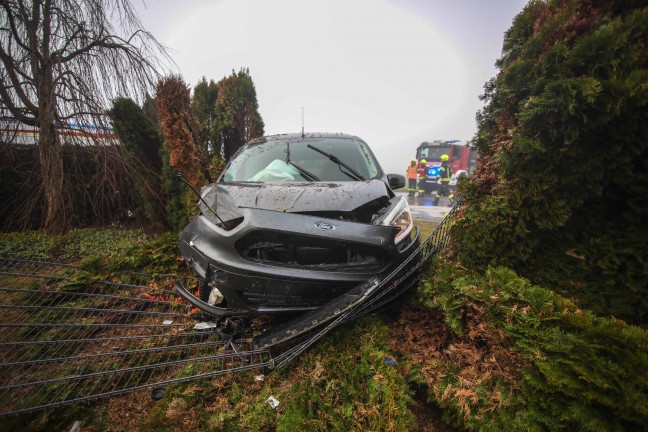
<point x="423" y="208"/>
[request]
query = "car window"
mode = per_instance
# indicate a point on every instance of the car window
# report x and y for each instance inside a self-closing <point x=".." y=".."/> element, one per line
<point x="434" y="153"/>
<point x="456" y="152"/>
<point x="270" y="162"/>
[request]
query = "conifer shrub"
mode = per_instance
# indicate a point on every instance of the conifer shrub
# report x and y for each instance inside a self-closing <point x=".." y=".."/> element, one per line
<point x="525" y="358"/>
<point x="182" y="153"/>
<point x="142" y="147"/>
<point x="561" y="191"/>
<point x="178" y="205"/>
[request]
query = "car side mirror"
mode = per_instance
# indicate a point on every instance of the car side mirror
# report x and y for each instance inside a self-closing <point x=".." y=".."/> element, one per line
<point x="396" y="181"/>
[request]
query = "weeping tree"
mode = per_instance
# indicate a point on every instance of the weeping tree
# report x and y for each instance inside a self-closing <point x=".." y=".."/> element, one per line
<point x="63" y="62"/>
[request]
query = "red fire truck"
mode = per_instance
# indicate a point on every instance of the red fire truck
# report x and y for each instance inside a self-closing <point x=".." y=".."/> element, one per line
<point x="461" y="158"/>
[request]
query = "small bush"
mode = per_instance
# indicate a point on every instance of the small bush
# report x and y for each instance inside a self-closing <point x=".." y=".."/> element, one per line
<point x="157" y="255"/>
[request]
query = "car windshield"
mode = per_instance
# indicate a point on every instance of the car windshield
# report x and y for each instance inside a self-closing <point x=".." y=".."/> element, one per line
<point x="290" y="160"/>
<point x="434" y="153"/>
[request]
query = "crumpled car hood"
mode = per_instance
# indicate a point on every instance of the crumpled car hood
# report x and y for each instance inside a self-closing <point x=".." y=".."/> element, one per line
<point x="292" y="198"/>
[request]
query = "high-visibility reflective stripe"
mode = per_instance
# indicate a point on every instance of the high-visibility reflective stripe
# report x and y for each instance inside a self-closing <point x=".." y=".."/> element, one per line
<point x="445" y="173"/>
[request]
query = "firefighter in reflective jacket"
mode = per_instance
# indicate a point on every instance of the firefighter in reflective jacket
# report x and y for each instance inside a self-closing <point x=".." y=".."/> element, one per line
<point x="412" y="172"/>
<point x="422" y="175"/>
<point x="445" y="173"/>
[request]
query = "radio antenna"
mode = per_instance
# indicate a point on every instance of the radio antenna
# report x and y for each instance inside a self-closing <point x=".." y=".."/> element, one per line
<point x="182" y="179"/>
<point x="302" y="122"/>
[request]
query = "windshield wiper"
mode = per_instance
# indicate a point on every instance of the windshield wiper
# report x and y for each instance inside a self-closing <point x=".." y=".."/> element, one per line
<point x="307" y="174"/>
<point x="352" y="173"/>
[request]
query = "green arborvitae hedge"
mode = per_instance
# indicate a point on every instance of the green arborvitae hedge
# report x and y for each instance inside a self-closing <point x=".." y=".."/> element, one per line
<point x="178" y="200"/>
<point x="561" y="193"/>
<point x="572" y="370"/>
<point x="142" y="147"/>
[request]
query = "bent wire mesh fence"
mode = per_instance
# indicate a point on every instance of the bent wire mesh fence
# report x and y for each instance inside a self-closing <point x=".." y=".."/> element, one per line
<point x="401" y="279"/>
<point x="68" y="335"/>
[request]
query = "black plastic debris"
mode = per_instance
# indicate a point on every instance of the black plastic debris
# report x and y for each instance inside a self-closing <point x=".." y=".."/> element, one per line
<point x="157" y="393"/>
<point x="390" y="361"/>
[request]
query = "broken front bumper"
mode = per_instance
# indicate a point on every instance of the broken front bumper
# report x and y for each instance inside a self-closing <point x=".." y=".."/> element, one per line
<point x="286" y="262"/>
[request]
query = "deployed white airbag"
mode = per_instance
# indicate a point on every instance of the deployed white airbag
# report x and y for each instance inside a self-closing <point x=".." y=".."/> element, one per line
<point x="276" y="171"/>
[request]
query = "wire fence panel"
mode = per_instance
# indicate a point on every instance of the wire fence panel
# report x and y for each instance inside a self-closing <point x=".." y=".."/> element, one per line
<point x="68" y="335"/>
<point x="401" y="279"/>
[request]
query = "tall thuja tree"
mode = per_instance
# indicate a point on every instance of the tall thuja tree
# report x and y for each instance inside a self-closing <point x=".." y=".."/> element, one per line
<point x="561" y="193"/>
<point x="142" y="147"/>
<point x="237" y="112"/>
<point x="183" y="153"/>
<point x="150" y="109"/>
<point x="203" y="108"/>
<point x="63" y="61"/>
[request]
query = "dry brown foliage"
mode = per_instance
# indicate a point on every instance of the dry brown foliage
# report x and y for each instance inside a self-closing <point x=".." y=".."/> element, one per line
<point x="174" y="112"/>
<point x="580" y="18"/>
<point x="481" y="354"/>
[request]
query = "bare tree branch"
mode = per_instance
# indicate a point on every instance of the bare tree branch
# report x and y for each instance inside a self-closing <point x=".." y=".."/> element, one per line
<point x="17" y="88"/>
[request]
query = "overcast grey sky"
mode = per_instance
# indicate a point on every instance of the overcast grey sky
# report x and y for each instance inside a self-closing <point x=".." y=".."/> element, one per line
<point x="393" y="72"/>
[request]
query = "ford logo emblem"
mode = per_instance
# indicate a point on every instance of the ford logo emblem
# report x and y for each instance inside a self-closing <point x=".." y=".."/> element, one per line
<point x="324" y="226"/>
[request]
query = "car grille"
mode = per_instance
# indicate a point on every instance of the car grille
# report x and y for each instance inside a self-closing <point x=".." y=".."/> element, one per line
<point x="308" y="252"/>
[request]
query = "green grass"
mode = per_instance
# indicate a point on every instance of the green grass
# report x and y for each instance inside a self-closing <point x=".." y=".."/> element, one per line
<point x="343" y="384"/>
<point x="426" y="227"/>
<point x="96" y="248"/>
<point x="105" y="243"/>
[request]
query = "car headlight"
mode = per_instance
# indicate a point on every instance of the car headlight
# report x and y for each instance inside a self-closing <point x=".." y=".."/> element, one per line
<point x="400" y="217"/>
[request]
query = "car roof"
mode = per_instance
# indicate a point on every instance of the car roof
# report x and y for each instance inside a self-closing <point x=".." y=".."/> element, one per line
<point x="303" y="137"/>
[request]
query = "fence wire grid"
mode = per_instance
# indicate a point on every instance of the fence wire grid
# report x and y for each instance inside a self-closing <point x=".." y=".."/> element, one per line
<point x="66" y="337"/>
<point x="70" y="336"/>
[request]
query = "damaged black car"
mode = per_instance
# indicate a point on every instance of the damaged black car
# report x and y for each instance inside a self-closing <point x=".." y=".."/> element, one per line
<point x="293" y="222"/>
